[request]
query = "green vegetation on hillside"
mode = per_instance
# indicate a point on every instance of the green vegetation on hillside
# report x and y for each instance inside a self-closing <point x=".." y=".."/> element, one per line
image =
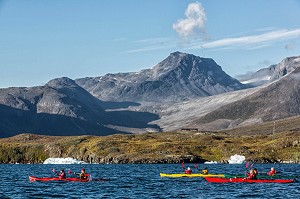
<point x="168" y="147"/>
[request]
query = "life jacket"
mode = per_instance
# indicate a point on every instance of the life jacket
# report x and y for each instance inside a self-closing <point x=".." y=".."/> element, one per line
<point x="62" y="175"/>
<point x="255" y="171"/>
<point x="188" y="171"/>
<point x="272" y="172"/>
<point x="83" y="175"/>
<point x="251" y="176"/>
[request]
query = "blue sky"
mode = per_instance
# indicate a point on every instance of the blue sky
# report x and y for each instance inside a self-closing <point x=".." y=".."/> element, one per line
<point x="44" y="39"/>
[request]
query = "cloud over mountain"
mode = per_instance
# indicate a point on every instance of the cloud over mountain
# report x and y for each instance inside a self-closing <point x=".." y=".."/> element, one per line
<point x="193" y="23"/>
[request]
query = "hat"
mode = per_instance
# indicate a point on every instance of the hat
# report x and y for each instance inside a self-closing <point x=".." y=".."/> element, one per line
<point x="189" y="168"/>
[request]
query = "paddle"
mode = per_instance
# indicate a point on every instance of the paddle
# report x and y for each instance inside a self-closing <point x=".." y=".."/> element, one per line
<point x="54" y="171"/>
<point x="182" y="165"/>
<point x="247" y="165"/>
<point x="196" y="166"/>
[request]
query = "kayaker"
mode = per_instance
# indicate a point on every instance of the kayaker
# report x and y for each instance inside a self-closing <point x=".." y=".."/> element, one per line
<point x="272" y="172"/>
<point x="82" y="174"/>
<point x="205" y="171"/>
<point x="62" y="174"/>
<point x="255" y="171"/>
<point x="252" y="175"/>
<point x="188" y="170"/>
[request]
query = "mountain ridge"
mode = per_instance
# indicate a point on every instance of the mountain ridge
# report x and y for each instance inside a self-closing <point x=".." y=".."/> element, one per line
<point x="179" y="77"/>
<point x="181" y="91"/>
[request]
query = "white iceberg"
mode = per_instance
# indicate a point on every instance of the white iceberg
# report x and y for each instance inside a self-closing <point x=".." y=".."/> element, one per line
<point x="236" y="159"/>
<point x="63" y="161"/>
<point x="211" y="162"/>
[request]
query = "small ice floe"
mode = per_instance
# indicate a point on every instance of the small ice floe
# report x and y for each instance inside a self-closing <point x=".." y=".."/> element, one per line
<point x="211" y="162"/>
<point x="236" y="159"/>
<point x="63" y="161"/>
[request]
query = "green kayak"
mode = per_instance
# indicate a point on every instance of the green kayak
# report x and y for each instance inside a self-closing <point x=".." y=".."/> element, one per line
<point x="261" y="176"/>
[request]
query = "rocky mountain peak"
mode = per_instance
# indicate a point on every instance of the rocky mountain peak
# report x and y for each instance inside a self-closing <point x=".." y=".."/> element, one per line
<point x="178" y="77"/>
<point x="285" y="67"/>
<point x="175" y="61"/>
<point x="61" y="83"/>
<point x="272" y="73"/>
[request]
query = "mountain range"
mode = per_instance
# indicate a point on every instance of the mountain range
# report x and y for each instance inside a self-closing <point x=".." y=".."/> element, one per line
<point x="177" y="78"/>
<point x="182" y="91"/>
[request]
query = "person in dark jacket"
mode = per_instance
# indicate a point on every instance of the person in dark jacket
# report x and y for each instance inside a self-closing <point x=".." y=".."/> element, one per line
<point x="252" y="175"/>
<point x="205" y="171"/>
<point x="82" y="174"/>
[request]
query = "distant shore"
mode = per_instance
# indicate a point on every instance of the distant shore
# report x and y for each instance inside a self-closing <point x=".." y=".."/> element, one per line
<point x="152" y="148"/>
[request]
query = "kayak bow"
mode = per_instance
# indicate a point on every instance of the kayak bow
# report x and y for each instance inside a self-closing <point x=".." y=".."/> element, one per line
<point x="243" y="180"/>
<point x="199" y="175"/>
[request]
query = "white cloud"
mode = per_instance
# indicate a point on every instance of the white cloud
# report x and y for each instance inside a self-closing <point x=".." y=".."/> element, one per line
<point x="193" y="23"/>
<point x="250" y="42"/>
<point x="260" y="39"/>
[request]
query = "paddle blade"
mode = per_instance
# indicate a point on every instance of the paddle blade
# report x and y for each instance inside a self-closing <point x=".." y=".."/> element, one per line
<point x="69" y="172"/>
<point x="182" y="164"/>
<point x="53" y="170"/>
<point x="196" y="166"/>
<point x="247" y="164"/>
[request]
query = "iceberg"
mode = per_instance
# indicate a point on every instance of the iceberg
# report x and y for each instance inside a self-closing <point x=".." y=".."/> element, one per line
<point x="236" y="159"/>
<point x="211" y="162"/>
<point x="63" y="161"/>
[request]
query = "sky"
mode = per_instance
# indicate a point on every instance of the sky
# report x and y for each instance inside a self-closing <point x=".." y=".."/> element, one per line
<point x="41" y="39"/>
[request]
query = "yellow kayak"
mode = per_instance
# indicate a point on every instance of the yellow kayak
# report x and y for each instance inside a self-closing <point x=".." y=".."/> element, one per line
<point x="197" y="175"/>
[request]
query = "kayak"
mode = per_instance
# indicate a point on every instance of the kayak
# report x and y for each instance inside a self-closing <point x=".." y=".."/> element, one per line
<point x="47" y="179"/>
<point x="243" y="180"/>
<point x="261" y="176"/>
<point x="180" y="175"/>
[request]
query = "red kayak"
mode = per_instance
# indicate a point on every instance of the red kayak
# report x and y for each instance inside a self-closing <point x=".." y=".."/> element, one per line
<point x="46" y="179"/>
<point x="243" y="180"/>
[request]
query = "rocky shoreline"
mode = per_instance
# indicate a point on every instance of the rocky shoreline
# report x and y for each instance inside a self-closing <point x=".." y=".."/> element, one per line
<point x="150" y="148"/>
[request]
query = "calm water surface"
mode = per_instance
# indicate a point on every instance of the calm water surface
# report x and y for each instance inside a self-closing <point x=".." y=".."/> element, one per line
<point x="141" y="181"/>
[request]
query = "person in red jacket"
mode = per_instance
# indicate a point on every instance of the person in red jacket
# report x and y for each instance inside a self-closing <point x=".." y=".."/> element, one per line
<point x="272" y="172"/>
<point x="62" y="174"/>
<point x="188" y="170"/>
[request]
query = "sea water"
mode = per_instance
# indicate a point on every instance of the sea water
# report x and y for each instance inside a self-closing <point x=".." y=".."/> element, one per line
<point x="141" y="181"/>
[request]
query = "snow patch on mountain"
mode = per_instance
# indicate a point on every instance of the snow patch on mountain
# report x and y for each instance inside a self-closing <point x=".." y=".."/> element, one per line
<point x="257" y="79"/>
